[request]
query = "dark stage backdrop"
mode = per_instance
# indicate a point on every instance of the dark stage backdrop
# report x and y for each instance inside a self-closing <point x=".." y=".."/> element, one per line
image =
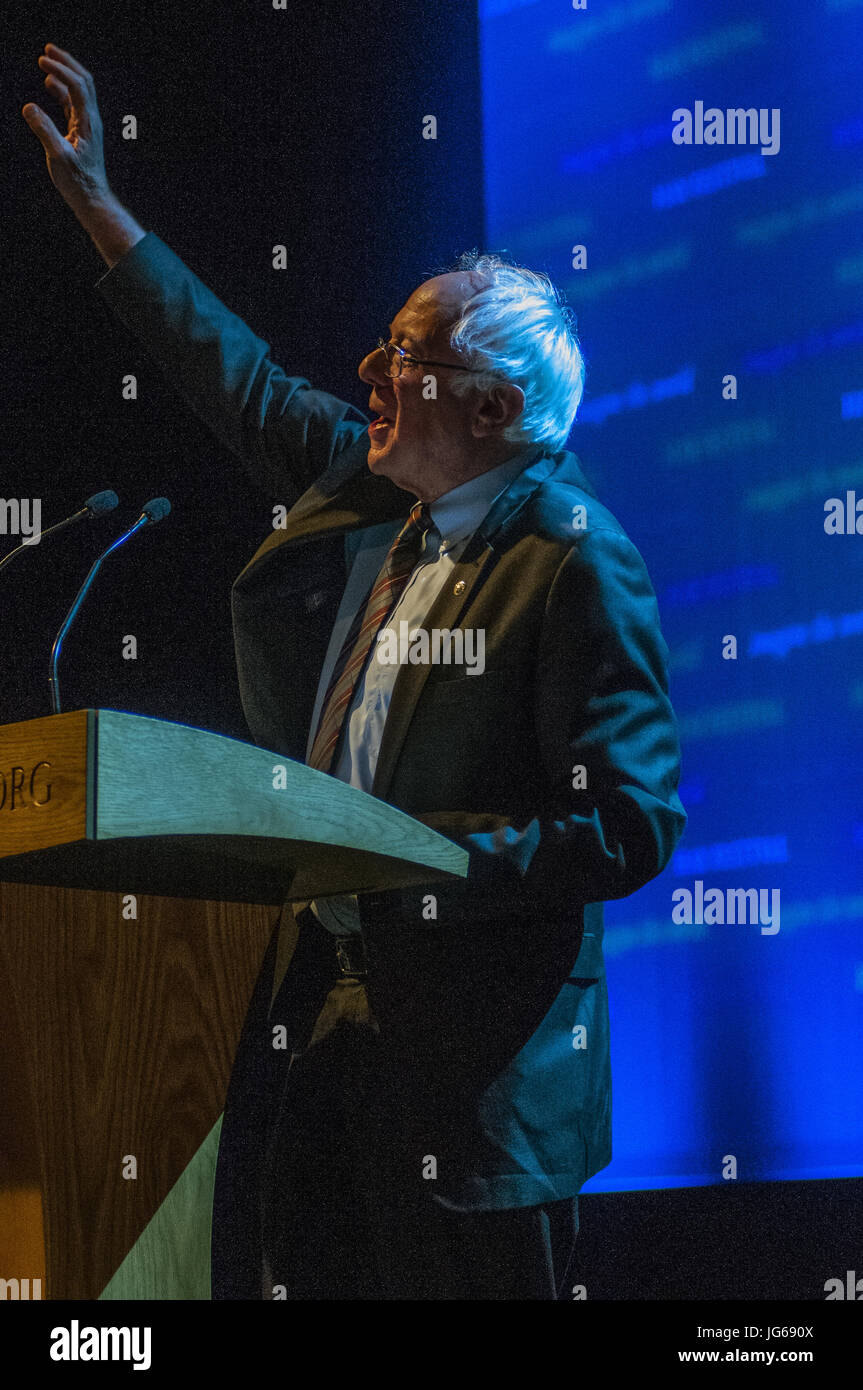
<point x="702" y="262"/>
<point x="256" y="127"/>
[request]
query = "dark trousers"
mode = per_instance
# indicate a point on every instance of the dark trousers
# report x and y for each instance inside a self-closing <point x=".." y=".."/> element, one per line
<point x="339" y="1219"/>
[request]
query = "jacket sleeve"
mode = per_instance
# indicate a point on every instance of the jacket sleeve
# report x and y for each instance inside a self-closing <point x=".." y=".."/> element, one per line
<point x="601" y="703"/>
<point x="284" y="432"/>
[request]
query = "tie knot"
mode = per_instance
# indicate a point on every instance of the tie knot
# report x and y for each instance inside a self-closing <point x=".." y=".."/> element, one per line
<point x="421" y="516"/>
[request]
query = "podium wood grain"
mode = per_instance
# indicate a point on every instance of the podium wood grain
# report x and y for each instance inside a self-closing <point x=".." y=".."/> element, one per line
<point x="125" y="1036"/>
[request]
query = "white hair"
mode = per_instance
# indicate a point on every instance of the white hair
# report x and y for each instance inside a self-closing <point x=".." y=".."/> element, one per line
<point x="518" y="328"/>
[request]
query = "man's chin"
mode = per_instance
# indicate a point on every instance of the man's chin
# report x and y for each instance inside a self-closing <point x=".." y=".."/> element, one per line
<point x="380" y="460"/>
<point x="382" y="464"/>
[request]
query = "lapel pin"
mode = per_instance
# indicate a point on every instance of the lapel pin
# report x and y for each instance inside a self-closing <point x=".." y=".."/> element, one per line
<point x="459" y="587"/>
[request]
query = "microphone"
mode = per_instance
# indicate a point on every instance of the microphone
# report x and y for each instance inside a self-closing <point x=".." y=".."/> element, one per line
<point x="153" y="511"/>
<point x="100" y="503"/>
<point x="96" y="505"/>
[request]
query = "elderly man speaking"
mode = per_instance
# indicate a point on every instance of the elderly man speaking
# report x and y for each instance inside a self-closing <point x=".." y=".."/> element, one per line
<point x="446" y="1088"/>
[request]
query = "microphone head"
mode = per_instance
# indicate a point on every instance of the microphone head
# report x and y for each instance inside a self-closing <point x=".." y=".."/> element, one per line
<point x="156" y="509"/>
<point x="101" y="502"/>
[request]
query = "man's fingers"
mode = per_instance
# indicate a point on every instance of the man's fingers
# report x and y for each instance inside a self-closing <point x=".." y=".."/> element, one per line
<point x="60" y="53"/>
<point x="76" y="84"/>
<point x="52" y="141"/>
<point x="59" y="90"/>
<point x="83" y="100"/>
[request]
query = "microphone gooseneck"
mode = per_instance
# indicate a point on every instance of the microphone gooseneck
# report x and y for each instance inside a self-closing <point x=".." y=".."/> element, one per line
<point x="154" y="511"/>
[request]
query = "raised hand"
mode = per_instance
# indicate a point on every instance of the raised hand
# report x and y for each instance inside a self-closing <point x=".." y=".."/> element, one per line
<point x="76" y="160"/>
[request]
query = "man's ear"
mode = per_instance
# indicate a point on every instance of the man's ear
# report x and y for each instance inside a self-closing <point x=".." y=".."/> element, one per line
<point x="498" y="408"/>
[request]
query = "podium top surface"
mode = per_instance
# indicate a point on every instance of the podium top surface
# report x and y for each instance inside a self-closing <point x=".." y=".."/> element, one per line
<point x="107" y="799"/>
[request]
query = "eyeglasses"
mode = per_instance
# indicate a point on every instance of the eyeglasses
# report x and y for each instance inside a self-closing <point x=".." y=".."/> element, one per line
<point x="398" y="359"/>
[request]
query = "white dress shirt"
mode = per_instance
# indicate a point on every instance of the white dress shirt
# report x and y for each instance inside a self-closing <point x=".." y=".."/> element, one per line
<point x="455" y="517"/>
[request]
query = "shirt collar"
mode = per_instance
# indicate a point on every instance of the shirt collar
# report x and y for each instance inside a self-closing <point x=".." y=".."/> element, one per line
<point x="457" y="514"/>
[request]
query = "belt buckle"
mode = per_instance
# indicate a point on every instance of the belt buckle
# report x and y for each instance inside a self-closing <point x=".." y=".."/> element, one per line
<point x="351" y="956"/>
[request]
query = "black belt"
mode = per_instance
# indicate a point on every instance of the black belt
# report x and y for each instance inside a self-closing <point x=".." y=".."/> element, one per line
<point x="351" y="956"/>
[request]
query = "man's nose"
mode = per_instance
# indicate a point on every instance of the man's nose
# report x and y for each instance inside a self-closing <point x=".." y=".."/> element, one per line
<point x="373" y="368"/>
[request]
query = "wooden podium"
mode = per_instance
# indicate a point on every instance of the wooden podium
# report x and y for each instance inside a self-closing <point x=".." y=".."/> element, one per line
<point x="142" y="868"/>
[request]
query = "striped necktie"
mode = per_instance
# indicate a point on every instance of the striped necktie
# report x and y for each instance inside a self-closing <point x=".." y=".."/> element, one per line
<point x="370" y="617"/>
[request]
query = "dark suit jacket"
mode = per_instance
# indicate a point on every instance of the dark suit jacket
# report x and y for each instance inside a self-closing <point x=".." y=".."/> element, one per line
<point x="478" y="1009"/>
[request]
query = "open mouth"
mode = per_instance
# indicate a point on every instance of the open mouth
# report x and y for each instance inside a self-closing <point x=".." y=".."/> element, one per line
<point x="379" y="426"/>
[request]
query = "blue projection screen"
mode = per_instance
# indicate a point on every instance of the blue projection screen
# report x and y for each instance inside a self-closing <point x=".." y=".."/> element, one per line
<point x="692" y="177"/>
